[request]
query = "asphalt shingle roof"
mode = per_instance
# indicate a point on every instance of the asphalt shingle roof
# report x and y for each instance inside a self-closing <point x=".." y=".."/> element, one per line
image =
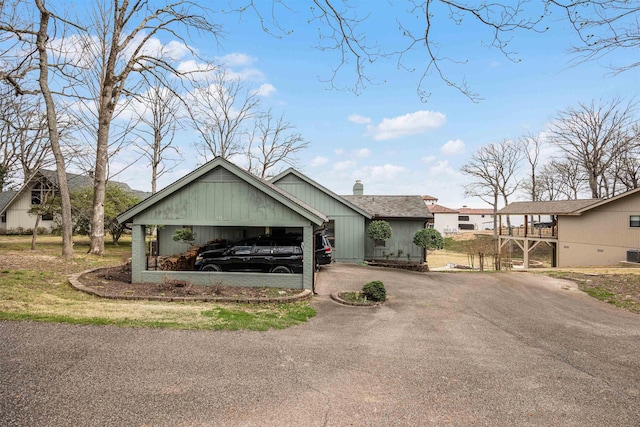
<point x="392" y="206"/>
<point x="556" y="207"/>
<point x="5" y="198"/>
<point x="435" y="208"/>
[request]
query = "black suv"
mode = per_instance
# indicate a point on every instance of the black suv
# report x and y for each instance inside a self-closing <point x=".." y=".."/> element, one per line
<point x="324" y="251"/>
<point x="261" y="254"/>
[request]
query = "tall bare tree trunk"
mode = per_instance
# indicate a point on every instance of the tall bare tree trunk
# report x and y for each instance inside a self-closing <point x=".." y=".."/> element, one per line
<point x="52" y="124"/>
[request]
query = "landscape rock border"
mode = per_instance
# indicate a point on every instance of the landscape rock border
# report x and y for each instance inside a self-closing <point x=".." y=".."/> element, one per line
<point x="336" y="298"/>
<point x="76" y="283"/>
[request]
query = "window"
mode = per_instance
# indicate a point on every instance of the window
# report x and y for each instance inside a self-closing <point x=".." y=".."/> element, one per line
<point x="467" y="226"/>
<point x="379" y="243"/>
<point x="634" y="220"/>
<point x="463" y="217"/>
<point x="3" y="218"/>
<point x="40" y="192"/>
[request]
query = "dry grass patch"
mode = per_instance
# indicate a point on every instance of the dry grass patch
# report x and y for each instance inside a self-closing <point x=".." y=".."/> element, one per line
<point x="34" y="286"/>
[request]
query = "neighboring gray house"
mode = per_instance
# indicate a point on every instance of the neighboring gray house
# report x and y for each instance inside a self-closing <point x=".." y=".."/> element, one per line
<point x="15" y="205"/>
<point x="346" y="226"/>
<point x="220" y="200"/>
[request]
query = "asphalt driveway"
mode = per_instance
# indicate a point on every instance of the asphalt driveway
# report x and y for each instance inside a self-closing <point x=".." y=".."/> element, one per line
<point x="446" y="349"/>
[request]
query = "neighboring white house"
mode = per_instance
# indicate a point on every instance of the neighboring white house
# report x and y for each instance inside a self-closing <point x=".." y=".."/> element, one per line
<point x="453" y="221"/>
<point x="15" y="205"/>
<point x="470" y="219"/>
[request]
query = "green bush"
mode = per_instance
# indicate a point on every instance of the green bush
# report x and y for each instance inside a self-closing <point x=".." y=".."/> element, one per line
<point x="375" y="291"/>
<point x="185" y="235"/>
<point x="379" y="230"/>
<point x="428" y="238"/>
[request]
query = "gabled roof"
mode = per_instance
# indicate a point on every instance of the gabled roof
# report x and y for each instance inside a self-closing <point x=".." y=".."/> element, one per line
<point x="78" y="182"/>
<point x="472" y="211"/>
<point x="280" y="195"/>
<point x="600" y="202"/>
<point x="435" y="208"/>
<point x="344" y="201"/>
<point x="426" y="197"/>
<point x="555" y="207"/>
<point x="410" y="207"/>
<point x="74" y="181"/>
<point x="5" y="198"/>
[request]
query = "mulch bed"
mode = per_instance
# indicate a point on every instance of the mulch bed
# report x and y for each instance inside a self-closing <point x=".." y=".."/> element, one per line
<point x="116" y="282"/>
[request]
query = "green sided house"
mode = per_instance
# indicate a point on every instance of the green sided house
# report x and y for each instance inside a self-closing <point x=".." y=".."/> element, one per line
<point x="346" y="225"/>
<point x="220" y="200"/>
<point x="350" y="215"/>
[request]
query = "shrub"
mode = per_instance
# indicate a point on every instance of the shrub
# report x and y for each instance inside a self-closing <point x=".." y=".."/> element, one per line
<point x="379" y="230"/>
<point x="375" y="291"/>
<point x="428" y="238"/>
<point x="185" y="235"/>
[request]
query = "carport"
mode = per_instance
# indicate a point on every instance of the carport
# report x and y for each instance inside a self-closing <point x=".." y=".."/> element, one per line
<point x="220" y="200"/>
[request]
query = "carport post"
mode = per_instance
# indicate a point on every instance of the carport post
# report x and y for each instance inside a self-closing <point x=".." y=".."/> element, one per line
<point x="308" y="267"/>
<point x="138" y="252"/>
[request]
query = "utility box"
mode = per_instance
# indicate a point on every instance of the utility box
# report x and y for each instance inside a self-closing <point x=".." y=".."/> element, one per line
<point x="633" y="255"/>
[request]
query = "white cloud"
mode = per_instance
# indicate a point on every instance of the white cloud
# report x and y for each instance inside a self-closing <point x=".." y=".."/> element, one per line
<point x="343" y="166"/>
<point x="443" y="168"/>
<point x="452" y="147"/>
<point x="408" y="124"/>
<point x="387" y="172"/>
<point x="319" y="161"/>
<point x="428" y="159"/>
<point x="362" y="153"/>
<point x="357" y="118"/>
<point x="266" y="90"/>
<point x="237" y="60"/>
<point x="192" y="65"/>
<point x="339" y="151"/>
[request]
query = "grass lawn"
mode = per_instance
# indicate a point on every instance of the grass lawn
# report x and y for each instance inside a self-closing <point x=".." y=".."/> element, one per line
<point x="33" y="286"/>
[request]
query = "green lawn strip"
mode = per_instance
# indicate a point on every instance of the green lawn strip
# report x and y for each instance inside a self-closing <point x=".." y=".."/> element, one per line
<point x="40" y="295"/>
<point x="219" y="318"/>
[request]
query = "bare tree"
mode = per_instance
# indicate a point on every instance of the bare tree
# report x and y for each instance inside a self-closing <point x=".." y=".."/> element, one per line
<point x="221" y="110"/>
<point x="25" y="34"/>
<point x="161" y="113"/>
<point x="126" y="29"/>
<point x="593" y="136"/>
<point x="54" y="136"/>
<point x="493" y="169"/>
<point x="423" y="27"/>
<point x="627" y="165"/>
<point x="273" y="141"/>
<point x="531" y="146"/>
<point x="604" y="26"/>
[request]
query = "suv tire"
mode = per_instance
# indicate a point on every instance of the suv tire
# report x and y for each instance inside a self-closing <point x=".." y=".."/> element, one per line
<point x="281" y="269"/>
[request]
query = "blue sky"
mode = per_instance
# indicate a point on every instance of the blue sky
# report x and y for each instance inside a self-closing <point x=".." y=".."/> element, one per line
<point x="385" y="136"/>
